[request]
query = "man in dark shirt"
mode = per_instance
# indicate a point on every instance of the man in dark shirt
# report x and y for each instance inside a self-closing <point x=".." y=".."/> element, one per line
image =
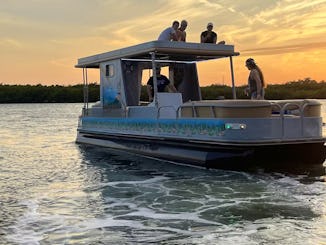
<point x="209" y="36"/>
<point x="162" y="83"/>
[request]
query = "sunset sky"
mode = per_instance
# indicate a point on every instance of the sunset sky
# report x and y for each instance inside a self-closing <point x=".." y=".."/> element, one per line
<point x="41" y="40"/>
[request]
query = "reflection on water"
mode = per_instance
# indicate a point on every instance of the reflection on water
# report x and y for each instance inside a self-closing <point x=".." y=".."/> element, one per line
<point x="56" y="192"/>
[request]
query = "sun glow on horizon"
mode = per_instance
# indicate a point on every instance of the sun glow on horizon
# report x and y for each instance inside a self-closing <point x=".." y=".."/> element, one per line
<point x="39" y="45"/>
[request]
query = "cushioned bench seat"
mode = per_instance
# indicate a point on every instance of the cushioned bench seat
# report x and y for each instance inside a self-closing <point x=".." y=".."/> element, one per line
<point x="310" y="108"/>
<point x="227" y="109"/>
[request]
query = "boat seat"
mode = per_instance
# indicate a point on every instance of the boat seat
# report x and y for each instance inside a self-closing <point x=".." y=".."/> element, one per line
<point x="227" y="109"/>
<point x="311" y="108"/>
<point x="168" y="104"/>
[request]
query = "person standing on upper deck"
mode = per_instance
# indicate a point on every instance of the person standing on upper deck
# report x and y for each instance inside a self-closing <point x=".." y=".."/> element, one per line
<point x="256" y="82"/>
<point x="170" y="33"/>
<point x="209" y="36"/>
<point x="181" y="32"/>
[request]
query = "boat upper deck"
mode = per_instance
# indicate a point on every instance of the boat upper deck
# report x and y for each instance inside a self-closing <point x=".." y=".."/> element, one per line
<point x="177" y="51"/>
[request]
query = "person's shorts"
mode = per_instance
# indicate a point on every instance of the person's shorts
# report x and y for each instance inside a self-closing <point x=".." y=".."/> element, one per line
<point x="254" y="95"/>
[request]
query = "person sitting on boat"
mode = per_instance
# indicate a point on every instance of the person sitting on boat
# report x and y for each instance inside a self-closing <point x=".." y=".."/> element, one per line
<point x="209" y="36"/>
<point x="170" y="33"/>
<point x="181" y="32"/>
<point x="256" y="81"/>
<point x="162" y="83"/>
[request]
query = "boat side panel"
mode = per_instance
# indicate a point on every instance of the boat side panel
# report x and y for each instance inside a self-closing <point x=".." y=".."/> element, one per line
<point x="226" y="130"/>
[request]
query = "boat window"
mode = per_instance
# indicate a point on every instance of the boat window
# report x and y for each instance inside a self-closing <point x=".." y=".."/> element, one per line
<point x="109" y="71"/>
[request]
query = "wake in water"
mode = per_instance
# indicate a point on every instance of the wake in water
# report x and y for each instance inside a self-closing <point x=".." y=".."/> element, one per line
<point x="125" y="199"/>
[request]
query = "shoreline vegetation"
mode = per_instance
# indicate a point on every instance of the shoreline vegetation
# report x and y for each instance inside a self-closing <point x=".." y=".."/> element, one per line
<point x="300" y="89"/>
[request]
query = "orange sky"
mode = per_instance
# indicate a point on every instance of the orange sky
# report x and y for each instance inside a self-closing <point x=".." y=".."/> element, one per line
<point x="41" y="40"/>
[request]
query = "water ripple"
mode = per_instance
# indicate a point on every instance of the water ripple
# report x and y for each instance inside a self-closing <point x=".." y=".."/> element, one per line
<point x="56" y="192"/>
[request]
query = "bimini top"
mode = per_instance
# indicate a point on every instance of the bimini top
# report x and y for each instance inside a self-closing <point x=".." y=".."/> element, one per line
<point x="164" y="50"/>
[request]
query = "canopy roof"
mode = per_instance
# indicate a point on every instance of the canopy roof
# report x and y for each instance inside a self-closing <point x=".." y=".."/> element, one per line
<point x="174" y="51"/>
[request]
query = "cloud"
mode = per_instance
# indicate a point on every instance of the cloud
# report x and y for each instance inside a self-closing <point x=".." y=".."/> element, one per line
<point x="279" y="23"/>
<point x="303" y="47"/>
<point x="10" y="43"/>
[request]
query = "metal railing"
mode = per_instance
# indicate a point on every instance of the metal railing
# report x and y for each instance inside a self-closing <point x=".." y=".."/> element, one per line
<point x="285" y="108"/>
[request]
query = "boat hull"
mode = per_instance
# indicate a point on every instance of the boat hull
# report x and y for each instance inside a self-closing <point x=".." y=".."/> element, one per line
<point x="222" y="155"/>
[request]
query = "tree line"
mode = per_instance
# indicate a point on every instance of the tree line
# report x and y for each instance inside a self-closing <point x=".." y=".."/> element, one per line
<point x="47" y="94"/>
<point x="300" y="89"/>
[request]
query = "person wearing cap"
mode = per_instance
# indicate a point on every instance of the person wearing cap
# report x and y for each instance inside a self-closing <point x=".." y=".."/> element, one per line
<point x="170" y="33"/>
<point x="162" y="83"/>
<point x="209" y="36"/>
<point x="256" y="82"/>
<point x="181" y="32"/>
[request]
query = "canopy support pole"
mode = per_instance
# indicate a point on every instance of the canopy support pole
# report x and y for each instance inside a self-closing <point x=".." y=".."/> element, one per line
<point x="232" y="78"/>
<point x="85" y="91"/>
<point x="154" y="78"/>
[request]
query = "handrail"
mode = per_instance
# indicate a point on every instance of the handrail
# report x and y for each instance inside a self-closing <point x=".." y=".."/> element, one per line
<point x="282" y="111"/>
<point x="194" y="112"/>
<point x="276" y="104"/>
<point x="178" y="112"/>
<point x="302" y="116"/>
<point x="213" y="111"/>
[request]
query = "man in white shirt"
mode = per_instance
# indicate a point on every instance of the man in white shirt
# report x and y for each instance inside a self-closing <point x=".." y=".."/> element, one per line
<point x="170" y="33"/>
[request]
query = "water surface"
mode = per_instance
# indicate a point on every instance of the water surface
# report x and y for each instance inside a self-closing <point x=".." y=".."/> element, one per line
<point x="54" y="191"/>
